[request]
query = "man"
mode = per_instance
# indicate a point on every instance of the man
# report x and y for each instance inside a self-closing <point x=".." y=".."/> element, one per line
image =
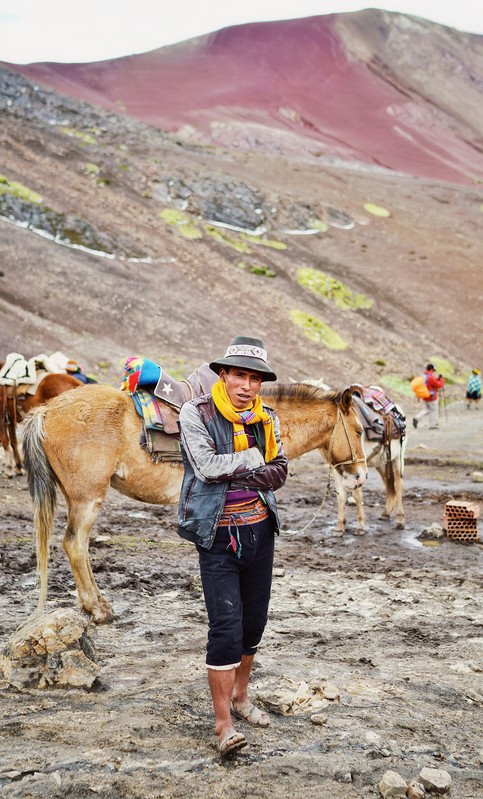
<point x="233" y="462"/>
<point x="431" y="403"/>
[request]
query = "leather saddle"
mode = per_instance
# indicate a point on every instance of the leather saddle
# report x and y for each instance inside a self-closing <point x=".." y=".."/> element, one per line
<point x="171" y="394"/>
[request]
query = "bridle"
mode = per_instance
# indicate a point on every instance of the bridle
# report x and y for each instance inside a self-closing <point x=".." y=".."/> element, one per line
<point x="353" y="459"/>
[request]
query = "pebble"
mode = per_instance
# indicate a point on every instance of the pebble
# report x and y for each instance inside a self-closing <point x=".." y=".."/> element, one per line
<point x="330" y="691"/>
<point x="318" y="719"/>
<point x="415" y="790"/>
<point x="474" y="696"/>
<point x="477" y="477"/>
<point x="372" y="737"/>
<point x="392" y="786"/>
<point x="435" y="780"/>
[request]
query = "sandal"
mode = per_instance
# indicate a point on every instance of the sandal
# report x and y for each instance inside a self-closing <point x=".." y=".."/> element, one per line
<point x="251" y="713"/>
<point x="232" y="741"/>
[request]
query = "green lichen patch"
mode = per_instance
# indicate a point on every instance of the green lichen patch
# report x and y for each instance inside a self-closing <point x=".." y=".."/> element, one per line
<point x="376" y="210"/>
<point x="396" y="383"/>
<point x="318" y="331"/>
<point x="318" y="224"/>
<point x="182" y="222"/>
<point x="16" y="189"/>
<point x="91" y="169"/>
<point x="226" y="238"/>
<point x="257" y="269"/>
<point x="261" y="242"/>
<point x="329" y="288"/>
<point x="85" y="138"/>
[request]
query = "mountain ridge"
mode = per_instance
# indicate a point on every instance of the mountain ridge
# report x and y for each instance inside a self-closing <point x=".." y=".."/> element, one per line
<point x="326" y="84"/>
<point x="121" y="239"/>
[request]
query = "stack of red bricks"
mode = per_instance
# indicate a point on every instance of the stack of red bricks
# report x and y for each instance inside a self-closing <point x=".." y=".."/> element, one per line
<point x="460" y="520"/>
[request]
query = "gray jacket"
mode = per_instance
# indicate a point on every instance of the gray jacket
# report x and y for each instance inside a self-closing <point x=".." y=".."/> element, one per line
<point x="211" y="467"/>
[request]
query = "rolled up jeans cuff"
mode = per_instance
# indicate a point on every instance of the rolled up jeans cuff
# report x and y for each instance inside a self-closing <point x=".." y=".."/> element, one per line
<point x="224" y="668"/>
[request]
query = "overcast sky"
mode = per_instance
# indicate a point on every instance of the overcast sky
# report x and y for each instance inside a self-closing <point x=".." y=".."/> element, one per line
<point x="94" y="30"/>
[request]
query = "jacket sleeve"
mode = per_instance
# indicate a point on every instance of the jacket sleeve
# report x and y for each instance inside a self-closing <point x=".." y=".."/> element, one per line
<point x="208" y="465"/>
<point x="272" y="475"/>
<point x="435" y="382"/>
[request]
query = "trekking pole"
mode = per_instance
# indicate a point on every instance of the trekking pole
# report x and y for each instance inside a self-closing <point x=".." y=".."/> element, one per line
<point x="443" y="401"/>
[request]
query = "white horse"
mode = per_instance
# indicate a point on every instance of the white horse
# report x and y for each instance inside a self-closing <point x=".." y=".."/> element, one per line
<point x="389" y="462"/>
<point x="391" y="470"/>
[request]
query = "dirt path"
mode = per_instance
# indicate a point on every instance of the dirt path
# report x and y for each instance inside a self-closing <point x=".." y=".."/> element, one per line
<point x="393" y="624"/>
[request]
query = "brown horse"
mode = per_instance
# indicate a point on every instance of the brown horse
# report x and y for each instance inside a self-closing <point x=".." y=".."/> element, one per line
<point x="15" y="403"/>
<point x="87" y="440"/>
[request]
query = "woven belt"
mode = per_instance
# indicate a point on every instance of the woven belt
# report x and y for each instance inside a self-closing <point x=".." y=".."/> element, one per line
<point x="244" y="513"/>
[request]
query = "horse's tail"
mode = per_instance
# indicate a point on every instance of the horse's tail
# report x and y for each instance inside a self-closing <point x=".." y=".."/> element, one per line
<point x="42" y="487"/>
<point x="390" y="487"/>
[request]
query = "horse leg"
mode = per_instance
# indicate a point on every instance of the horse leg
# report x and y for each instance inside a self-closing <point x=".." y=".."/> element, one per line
<point x="10" y="466"/>
<point x="80" y="519"/>
<point x="360" y="511"/>
<point x="341" y="504"/>
<point x="398" y="486"/>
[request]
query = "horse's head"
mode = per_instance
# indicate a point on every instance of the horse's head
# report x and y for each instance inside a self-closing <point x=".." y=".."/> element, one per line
<point x="345" y="451"/>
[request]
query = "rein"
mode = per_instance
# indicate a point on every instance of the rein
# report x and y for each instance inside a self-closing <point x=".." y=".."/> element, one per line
<point x="332" y="466"/>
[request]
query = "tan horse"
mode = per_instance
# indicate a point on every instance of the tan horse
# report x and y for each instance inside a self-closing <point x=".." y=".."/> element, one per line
<point x="87" y="440"/>
<point x="15" y="403"/>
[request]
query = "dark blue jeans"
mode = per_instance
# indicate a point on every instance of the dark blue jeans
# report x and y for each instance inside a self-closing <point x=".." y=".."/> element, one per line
<point x="237" y="592"/>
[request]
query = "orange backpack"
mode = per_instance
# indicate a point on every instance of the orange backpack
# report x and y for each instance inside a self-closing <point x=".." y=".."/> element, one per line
<point x="418" y="385"/>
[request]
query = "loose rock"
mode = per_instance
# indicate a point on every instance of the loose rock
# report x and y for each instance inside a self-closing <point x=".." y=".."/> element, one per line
<point x="435" y="780"/>
<point x="415" y="790"/>
<point x="53" y="649"/>
<point x="318" y="719"/>
<point x="330" y="691"/>
<point x="392" y="786"/>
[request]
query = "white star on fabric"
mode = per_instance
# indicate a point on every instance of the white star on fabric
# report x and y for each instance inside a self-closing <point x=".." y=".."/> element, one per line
<point x="167" y="388"/>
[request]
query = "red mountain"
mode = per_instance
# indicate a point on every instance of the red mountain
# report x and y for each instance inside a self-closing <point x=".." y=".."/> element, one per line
<point x="372" y="87"/>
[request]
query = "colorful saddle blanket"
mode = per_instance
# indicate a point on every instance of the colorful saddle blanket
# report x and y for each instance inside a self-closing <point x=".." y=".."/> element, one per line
<point x="158" y="398"/>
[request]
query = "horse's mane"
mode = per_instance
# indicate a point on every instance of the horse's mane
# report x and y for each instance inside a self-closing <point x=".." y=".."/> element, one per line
<point x="302" y="392"/>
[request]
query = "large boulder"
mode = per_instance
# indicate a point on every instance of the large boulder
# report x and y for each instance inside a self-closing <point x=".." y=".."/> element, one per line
<point x="50" y="650"/>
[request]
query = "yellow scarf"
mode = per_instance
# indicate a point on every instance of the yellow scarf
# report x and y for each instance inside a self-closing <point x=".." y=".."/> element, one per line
<point x="250" y="415"/>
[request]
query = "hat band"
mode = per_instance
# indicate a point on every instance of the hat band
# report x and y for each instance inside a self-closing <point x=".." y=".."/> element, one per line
<point x="246" y="350"/>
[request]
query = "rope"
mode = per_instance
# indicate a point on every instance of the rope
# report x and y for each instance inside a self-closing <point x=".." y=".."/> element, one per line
<point x="327" y="491"/>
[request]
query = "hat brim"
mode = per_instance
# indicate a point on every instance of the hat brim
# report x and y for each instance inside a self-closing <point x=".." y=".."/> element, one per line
<point x="252" y="364"/>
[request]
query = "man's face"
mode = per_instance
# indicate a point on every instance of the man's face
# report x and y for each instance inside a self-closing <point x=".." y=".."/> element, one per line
<point x="242" y="386"/>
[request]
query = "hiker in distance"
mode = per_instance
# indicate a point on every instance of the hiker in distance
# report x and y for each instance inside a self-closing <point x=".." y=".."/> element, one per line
<point x="473" y="389"/>
<point x="233" y="461"/>
<point x="431" y="403"/>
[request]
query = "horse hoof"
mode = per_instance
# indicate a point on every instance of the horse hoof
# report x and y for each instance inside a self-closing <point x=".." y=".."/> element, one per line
<point x="101" y="614"/>
<point x="359" y="532"/>
<point x="400" y="526"/>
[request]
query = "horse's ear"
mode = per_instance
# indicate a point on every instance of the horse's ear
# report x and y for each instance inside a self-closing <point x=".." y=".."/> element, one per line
<point x="346" y="400"/>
